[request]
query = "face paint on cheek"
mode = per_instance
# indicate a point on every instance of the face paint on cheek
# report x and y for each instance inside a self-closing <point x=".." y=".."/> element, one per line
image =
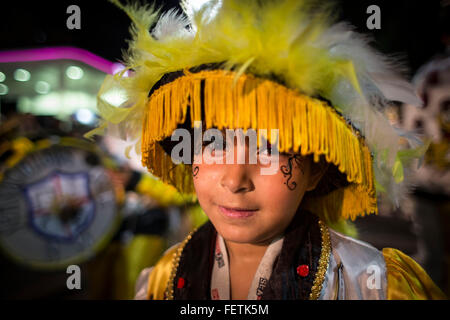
<point x="195" y="170"/>
<point x="293" y="160"/>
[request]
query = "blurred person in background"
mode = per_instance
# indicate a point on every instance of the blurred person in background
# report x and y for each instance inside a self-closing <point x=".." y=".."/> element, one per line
<point x="64" y="201"/>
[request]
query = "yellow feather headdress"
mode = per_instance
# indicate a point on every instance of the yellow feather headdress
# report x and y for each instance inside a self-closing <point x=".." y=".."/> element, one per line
<point x="283" y="65"/>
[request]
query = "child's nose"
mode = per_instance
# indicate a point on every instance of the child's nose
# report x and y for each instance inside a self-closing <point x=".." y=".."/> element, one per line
<point x="236" y="178"/>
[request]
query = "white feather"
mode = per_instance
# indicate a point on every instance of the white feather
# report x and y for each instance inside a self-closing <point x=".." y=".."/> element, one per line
<point x="171" y="24"/>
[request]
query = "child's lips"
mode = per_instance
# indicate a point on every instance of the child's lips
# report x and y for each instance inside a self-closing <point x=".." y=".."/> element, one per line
<point x="237" y="212"/>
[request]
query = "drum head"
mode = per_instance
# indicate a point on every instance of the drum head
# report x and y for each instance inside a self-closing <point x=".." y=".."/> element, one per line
<point x="57" y="207"/>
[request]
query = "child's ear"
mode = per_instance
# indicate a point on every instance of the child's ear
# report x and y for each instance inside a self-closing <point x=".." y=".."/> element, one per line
<point x="316" y="172"/>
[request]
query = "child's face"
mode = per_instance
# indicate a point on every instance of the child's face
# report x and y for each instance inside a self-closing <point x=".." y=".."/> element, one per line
<point x="270" y="200"/>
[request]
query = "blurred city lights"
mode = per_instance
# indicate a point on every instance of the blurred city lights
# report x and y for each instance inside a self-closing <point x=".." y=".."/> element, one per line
<point x="74" y="73"/>
<point x="42" y="87"/>
<point x="3" y="89"/>
<point x="2" y="77"/>
<point x="57" y="53"/>
<point x="22" y="75"/>
<point x="85" y="116"/>
<point x="59" y="104"/>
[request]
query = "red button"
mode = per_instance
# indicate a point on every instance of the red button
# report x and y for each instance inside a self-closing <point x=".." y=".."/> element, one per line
<point x="303" y="270"/>
<point x="180" y="283"/>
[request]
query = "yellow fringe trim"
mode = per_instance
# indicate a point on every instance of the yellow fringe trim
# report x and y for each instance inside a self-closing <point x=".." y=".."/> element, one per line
<point x="251" y="102"/>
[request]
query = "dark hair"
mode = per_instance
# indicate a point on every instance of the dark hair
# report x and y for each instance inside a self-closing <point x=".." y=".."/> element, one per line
<point x="167" y="144"/>
<point x="331" y="180"/>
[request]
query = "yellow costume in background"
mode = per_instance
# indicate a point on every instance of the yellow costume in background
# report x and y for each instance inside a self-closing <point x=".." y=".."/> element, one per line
<point x="407" y="280"/>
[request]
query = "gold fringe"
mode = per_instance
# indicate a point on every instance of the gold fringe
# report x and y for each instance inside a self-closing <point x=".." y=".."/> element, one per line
<point x="251" y="102"/>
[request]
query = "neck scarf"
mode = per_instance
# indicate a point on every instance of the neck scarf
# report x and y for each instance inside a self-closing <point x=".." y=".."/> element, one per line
<point x="300" y="250"/>
<point x="220" y="281"/>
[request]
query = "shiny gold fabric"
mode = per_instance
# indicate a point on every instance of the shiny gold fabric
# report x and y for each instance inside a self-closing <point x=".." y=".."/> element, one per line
<point x="157" y="281"/>
<point x="407" y="280"/>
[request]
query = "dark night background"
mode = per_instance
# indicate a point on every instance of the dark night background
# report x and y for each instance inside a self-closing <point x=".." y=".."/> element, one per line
<point x="414" y="30"/>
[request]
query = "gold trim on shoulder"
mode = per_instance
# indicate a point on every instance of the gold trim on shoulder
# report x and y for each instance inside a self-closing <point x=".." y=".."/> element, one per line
<point x="323" y="262"/>
<point x="175" y="263"/>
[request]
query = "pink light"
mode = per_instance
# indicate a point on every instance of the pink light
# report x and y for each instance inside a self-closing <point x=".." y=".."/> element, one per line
<point x="59" y="53"/>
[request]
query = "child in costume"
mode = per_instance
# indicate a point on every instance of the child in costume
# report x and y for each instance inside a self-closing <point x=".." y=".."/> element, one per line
<point x="267" y="65"/>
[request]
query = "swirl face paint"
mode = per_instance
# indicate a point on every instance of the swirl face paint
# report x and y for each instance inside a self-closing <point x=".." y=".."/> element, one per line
<point x="294" y="159"/>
